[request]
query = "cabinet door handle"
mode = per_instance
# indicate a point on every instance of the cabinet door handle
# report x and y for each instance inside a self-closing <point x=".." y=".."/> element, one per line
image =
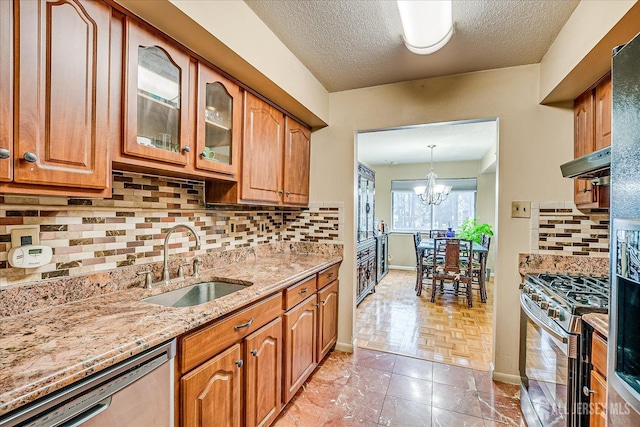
<point x="203" y="154"/>
<point x="330" y="276"/>
<point x="587" y="391"/>
<point x="280" y="192"/>
<point x="303" y="291"/>
<point x="586" y="190"/>
<point x="30" y="157"/>
<point x="244" y="325"/>
<point x="4" y="153"/>
<point x="186" y="149"/>
<point x="324" y="302"/>
<point x="288" y="193"/>
<point x="239" y="363"/>
<point x="317" y="305"/>
<point x="254" y="352"/>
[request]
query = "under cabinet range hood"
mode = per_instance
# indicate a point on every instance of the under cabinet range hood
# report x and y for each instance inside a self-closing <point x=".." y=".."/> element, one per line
<point x="595" y="167"/>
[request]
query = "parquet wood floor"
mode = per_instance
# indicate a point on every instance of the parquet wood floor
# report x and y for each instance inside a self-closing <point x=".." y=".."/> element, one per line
<point x="395" y="320"/>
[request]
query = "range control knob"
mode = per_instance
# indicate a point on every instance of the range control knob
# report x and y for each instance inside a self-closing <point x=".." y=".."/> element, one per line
<point x="544" y="305"/>
<point x="535" y="297"/>
<point x="553" y="313"/>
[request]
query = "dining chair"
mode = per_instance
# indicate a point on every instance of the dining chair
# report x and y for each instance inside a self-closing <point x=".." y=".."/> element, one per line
<point x="479" y="264"/>
<point x="454" y="268"/>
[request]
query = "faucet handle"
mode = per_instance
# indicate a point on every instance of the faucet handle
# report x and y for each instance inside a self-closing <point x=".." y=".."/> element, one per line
<point x="181" y="269"/>
<point x="197" y="262"/>
<point x="147" y="278"/>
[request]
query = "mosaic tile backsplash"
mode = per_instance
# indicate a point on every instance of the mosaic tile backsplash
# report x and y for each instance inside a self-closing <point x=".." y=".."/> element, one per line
<point x="559" y="228"/>
<point x="128" y="229"/>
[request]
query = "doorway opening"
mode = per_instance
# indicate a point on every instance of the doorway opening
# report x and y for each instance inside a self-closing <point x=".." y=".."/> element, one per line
<point x="393" y="318"/>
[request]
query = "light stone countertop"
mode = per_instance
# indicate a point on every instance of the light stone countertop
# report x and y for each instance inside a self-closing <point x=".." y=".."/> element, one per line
<point x="43" y="351"/>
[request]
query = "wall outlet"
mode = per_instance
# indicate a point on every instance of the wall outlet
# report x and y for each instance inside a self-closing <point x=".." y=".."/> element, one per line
<point x="25" y="236"/>
<point x="520" y="209"/>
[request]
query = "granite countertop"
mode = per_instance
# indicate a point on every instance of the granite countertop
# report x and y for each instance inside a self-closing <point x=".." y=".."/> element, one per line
<point x="599" y="321"/>
<point x="46" y="350"/>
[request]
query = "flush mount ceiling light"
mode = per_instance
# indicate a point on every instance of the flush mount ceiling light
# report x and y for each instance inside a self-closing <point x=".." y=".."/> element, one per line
<point x="427" y="25"/>
<point x="432" y="193"/>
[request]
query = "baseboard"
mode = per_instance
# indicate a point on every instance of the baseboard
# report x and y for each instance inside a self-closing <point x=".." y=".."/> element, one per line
<point x="401" y="267"/>
<point x="506" y="378"/>
<point x="347" y="348"/>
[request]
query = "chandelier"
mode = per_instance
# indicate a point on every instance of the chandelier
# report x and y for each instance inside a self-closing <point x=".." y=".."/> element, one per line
<point x="432" y="193"/>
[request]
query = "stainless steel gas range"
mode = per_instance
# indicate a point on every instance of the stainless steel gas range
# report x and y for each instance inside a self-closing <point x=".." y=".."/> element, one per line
<point x="552" y="357"/>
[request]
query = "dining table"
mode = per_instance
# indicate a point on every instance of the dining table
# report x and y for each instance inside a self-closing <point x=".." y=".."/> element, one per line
<point x="428" y="244"/>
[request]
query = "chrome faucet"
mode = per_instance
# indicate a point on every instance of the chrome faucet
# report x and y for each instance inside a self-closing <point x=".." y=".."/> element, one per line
<point x="165" y="269"/>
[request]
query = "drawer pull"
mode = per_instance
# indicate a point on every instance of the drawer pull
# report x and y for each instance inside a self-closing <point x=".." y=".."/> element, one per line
<point x="254" y="352"/>
<point x="587" y="391"/>
<point x="239" y="363"/>
<point x="303" y="291"/>
<point x="244" y="325"/>
<point x="330" y="275"/>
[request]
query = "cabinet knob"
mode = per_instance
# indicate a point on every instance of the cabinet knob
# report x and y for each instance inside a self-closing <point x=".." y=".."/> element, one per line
<point x="288" y="193"/>
<point x="186" y="149"/>
<point x="254" y="352"/>
<point x="4" y="153"/>
<point x="203" y="154"/>
<point x="280" y="192"/>
<point x="587" y="391"/>
<point x="30" y="157"/>
<point x="239" y="363"/>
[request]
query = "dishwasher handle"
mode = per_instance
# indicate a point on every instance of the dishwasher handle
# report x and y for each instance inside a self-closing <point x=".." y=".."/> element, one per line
<point x="89" y="413"/>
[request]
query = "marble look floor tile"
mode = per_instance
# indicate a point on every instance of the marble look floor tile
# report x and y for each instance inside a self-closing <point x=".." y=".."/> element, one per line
<point x="414" y="368"/>
<point x="367" y="379"/>
<point x="335" y="369"/>
<point x="374" y="359"/>
<point x="500" y="408"/>
<point x="453" y="375"/>
<point x="444" y="418"/>
<point x="492" y="423"/>
<point x="456" y="399"/>
<point x="401" y="412"/>
<point x="412" y="389"/>
<point x="485" y="383"/>
<point x="356" y="405"/>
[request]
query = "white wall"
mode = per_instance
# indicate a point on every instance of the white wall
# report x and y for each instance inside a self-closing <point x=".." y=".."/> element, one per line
<point x="533" y="141"/>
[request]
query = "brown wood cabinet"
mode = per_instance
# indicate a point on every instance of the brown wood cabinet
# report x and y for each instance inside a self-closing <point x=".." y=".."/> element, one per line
<point x="218" y="123"/>
<point x="61" y="128"/>
<point x="327" y="318"/>
<point x="598" y="398"/>
<point x="263" y="375"/>
<point x="592" y="131"/>
<point x="211" y="394"/>
<point x="296" y="164"/>
<point x="300" y="355"/>
<point x="6" y="91"/>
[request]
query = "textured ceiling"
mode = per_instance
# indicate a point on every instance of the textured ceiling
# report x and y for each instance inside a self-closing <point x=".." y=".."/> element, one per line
<point x="349" y="44"/>
<point x="454" y="142"/>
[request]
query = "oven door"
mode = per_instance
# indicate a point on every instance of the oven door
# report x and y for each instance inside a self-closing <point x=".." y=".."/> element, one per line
<point x="548" y="367"/>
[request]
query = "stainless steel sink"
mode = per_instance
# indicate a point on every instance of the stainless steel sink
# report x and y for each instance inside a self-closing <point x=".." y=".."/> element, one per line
<point x="195" y="294"/>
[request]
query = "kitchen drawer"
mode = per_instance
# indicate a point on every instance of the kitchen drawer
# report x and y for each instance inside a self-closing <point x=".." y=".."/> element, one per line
<point x="296" y="293"/>
<point x="328" y="275"/>
<point x="598" y="407"/>
<point x="200" y="346"/>
<point x="599" y="354"/>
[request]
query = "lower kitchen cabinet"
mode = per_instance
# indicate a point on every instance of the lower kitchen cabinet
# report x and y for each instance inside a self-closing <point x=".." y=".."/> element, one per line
<point x="263" y="375"/>
<point x="300" y="357"/>
<point x="598" y="387"/>
<point x="366" y="264"/>
<point x="327" y="318"/>
<point x="211" y="393"/>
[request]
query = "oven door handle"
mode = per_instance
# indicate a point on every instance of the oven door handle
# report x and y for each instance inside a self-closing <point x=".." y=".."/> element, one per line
<point x="531" y="315"/>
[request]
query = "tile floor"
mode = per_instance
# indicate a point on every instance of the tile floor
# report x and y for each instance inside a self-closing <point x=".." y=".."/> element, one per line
<point x="395" y="320"/>
<point x="371" y="388"/>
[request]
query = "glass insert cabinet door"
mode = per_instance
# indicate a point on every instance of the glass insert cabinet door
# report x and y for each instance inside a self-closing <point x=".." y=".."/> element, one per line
<point x="157" y="98"/>
<point x="219" y="117"/>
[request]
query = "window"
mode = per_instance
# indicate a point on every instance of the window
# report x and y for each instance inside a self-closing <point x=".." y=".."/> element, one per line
<point x="410" y="214"/>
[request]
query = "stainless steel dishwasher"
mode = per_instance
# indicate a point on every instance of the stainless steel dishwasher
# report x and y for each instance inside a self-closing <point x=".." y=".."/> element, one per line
<point x="137" y="392"/>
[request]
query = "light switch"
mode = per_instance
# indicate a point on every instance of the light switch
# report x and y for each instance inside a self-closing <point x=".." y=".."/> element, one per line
<point x="520" y="209"/>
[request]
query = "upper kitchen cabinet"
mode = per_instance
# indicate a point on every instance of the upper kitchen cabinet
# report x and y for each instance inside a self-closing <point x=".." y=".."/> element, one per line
<point x="6" y="91"/>
<point x="297" y="154"/>
<point x="218" y="123"/>
<point x="262" y="152"/>
<point x="61" y="55"/>
<point x="156" y="98"/>
<point x="592" y="131"/>
<point x="275" y="156"/>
